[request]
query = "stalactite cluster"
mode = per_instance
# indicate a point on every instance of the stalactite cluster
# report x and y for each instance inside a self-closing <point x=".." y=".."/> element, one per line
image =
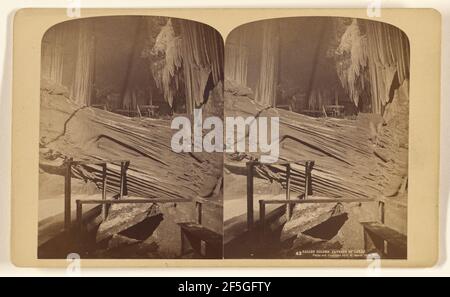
<point x="203" y="56"/>
<point x="369" y="57"/>
<point x="388" y="55"/>
<point x="193" y="57"/>
<point x="268" y="79"/>
<point x="352" y="61"/>
<point x="166" y="71"/>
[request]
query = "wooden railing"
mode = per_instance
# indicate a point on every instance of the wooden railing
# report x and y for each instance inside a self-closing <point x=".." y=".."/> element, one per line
<point x="104" y="203"/>
<point x="305" y="199"/>
<point x="69" y="163"/>
<point x="309" y="165"/>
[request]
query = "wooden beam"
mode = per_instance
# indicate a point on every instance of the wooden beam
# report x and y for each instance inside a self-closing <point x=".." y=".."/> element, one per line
<point x="96" y="162"/>
<point x="325" y="200"/>
<point x="124" y="201"/>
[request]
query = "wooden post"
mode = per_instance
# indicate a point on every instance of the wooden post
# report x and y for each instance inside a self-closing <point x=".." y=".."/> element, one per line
<point x="104" y="182"/>
<point x="249" y="195"/>
<point x="308" y="179"/>
<point x="198" y="210"/>
<point x="123" y="179"/>
<point x="67" y="194"/>
<point x="262" y="221"/>
<point x="288" y="192"/>
<point x="79" y="223"/>
<point x="381" y="209"/>
<point x="125" y="183"/>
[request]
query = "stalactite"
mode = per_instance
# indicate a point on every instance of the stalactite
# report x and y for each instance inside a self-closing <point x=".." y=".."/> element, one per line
<point x="236" y="58"/>
<point x="268" y="79"/>
<point x="166" y="71"/>
<point x="388" y="55"/>
<point x="128" y="94"/>
<point x="190" y="59"/>
<point x="316" y="91"/>
<point x="372" y="60"/>
<point x="202" y="52"/>
<point x="353" y="46"/>
<point x="52" y="54"/>
<point x="83" y="80"/>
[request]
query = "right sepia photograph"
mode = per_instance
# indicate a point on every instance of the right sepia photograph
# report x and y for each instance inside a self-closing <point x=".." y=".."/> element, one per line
<point x="338" y="89"/>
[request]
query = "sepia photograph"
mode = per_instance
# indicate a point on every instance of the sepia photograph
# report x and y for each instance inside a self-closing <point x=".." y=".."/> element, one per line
<point x="110" y="184"/>
<point x="339" y="91"/>
<point x="224" y="142"/>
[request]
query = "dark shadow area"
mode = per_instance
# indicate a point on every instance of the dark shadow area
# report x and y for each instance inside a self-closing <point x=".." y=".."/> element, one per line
<point x="144" y="229"/>
<point x="328" y="229"/>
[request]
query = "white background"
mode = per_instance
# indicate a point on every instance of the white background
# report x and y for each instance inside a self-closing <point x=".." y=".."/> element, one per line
<point x="7" y="10"/>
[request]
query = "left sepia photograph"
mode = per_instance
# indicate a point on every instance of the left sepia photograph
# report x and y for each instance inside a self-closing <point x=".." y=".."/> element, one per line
<point x="110" y="184"/>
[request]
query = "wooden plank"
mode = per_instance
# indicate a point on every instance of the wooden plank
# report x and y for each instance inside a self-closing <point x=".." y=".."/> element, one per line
<point x="387" y="242"/>
<point x="326" y="200"/>
<point x="96" y="162"/>
<point x="201" y="232"/>
<point x="207" y="243"/>
<point x="389" y="235"/>
<point x="124" y="201"/>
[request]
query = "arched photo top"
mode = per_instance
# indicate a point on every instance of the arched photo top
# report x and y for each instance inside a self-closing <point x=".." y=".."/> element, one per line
<point x="121" y="62"/>
<point x="360" y="61"/>
<point x="305" y="20"/>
